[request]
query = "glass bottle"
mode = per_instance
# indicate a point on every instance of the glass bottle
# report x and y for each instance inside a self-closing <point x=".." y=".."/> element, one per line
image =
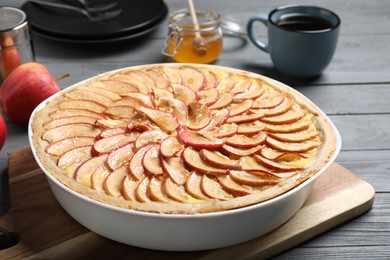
<point x="15" y="40"/>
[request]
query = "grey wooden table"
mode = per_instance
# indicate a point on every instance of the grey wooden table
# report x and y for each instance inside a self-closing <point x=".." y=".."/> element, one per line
<point x="354" y="91"/>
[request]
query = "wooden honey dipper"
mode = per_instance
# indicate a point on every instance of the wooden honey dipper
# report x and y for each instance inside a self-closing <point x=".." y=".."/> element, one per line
<point x="199" y="44"/>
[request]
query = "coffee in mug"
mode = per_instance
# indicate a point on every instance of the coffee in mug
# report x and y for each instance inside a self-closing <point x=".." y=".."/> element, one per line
<point x="301" y="39"/>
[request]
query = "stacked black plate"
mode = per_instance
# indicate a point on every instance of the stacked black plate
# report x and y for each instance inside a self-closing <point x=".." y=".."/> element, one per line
<point x="136" y="19"/>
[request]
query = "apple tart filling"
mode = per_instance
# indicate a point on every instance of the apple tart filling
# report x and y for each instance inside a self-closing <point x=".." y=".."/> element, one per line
<point x="181" y="138"/>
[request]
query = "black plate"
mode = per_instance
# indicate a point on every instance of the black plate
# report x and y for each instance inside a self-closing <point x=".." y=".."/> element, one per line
<point x="137" y="18"/>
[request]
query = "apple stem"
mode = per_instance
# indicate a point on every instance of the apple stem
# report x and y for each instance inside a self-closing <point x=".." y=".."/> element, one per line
<point x="62" y="77"/>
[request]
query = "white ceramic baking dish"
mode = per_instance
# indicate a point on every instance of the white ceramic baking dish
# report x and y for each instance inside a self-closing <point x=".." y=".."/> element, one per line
<point x="179" y="232"/>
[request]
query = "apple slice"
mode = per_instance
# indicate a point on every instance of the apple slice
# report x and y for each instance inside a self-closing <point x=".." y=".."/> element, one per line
<point x="289" y="128"/>
<point x="280" y="109"/>
<point x="113" y="183"/>
<point x="241" y="86"/>
<point x="269" y="101"/>
<point x="143" y="77"/>
<point x="192" y="186"/>
<point x="134" y="100"/>
<point x="243" y="141"/>
<point x="107" y="145"/>
<point x="141" y="193"/>
<point x="162" y="119"/>
<point x="86" y="169"/>
<point x="240" y="107"/>
<point x="291" y="116"/>
<point x="208" y="96"/>
<point x="62" y="146"/>
<point x="233" y="187"/>
<point x="69" y="120"/>
<point x="197" y="139"/>
<point x="170" y="146"/>
<point x="158" y="93"/>
<point x="245" y="118"/>
<point x="225" y="85"/>
<point x="172" y="74"/>
<point x="98" y="178"/>
<point x="118" y="112"/>
<point x="199" y="116"/>
<point x="150" y="137"/>
<point x="82" y="104"/>
<point x="74" y="112"/>
<point x="141" y="126"/>
<point x="120" y="156"/>
<point x="280" y="167"/>
<point x="177" y="192"/>
<point x="136" y="168"/>
<point x="254" y="90"/>
<point x="219" y="160"/>
<point x="296" y="137"/>
<point x="274" y="155"/>
<point x="175" y="169"/>
<point x="250" y="165"/>
<point x="129" y="186"/>
<point x="152" y="160"/>
<point x="241" y="152"/>
<point x="184" y="93"/>
<point x="88" y="95"/>
<point x="213" y="189"/>
<point x="71" y="130"/>
<point x="113" y="123"/>
<point x="293" y="147"/>
<point x="101" y="91"/>
<point x="251" y="128"/>
<point x="217" y="119"/>
<point x="254" y="180"/>
<point x="223" y="101"/>
<point x="155" y="190"/>
<point x="226" y="130"/>
<point x="192" y="77"/>
<point x="193" y="160"/>
<point x="174" y="106"/>
<point x="70" y="160"/>
<point x="111" y="132"/>
<point x="211" y="79"/>
<point x="141" y="87"/>
<point x="119" y="86"/>
<point x="158" y="77"/>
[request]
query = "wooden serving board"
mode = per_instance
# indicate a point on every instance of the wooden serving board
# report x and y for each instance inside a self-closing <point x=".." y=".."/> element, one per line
<point x="48" y="232"/>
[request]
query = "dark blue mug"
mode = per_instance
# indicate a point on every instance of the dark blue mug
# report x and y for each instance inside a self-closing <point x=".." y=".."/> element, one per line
<point x="301" y="39"/>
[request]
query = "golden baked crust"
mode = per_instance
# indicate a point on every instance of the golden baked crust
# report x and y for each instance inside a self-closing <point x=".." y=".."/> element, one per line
<point x="174" y="138"/>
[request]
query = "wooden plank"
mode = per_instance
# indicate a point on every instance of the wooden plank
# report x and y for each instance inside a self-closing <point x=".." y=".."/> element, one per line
<point x="363" y="132"/>
<point x="31" y="196"/>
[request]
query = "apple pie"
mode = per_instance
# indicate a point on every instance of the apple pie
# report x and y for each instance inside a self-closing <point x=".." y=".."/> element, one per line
<point x="181" y="138"/>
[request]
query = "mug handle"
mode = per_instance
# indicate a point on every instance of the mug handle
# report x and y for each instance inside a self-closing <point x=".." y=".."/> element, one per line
<point x="252" y="35"/>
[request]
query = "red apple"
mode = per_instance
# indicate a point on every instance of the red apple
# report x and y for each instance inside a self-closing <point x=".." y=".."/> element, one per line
<point x="27" y="86"/>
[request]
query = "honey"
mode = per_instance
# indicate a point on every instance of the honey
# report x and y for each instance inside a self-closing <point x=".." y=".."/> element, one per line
<point x="188" y="45"/>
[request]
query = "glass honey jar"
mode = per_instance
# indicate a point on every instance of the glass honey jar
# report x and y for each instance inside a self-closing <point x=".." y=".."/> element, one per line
<point x="194" y="43"/>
